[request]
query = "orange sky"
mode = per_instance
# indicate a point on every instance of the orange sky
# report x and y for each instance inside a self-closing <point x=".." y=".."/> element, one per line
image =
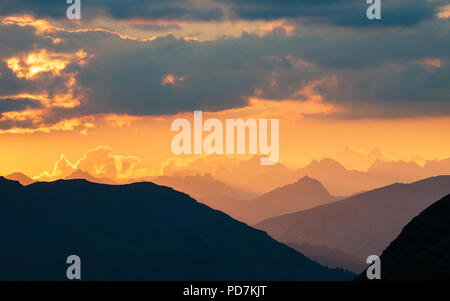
<point x="309" y="128"/>
<point x="301" y="139"/>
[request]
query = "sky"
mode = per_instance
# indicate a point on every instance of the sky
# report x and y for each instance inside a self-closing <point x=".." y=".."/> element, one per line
<point x="100" y="93"/>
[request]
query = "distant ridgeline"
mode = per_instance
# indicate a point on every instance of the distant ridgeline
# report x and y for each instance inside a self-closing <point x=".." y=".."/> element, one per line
<point x="140" y="231"/>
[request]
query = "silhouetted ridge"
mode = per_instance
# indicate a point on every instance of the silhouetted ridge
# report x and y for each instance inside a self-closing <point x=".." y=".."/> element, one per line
<point x="80" y="174"/>
<point x="360" y="225"/>
<point x="422" y="250"/>
<point x="9" y="184"/>
<point x="138" y="231"/>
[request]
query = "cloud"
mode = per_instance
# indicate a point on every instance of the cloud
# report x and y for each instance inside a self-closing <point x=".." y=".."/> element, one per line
<point x="170" y="79"/>
<point x="98" y="72"/>
<point x="444" y="12"/>
<point x="18" y="104"/>
<point x="377" y="70"/>
<point x="100" y="162"/>
<point x="331" y="12"/>
<point x="204" y="10"/>
<point x="119" y="121"/>
<point x="37" y="94"/>
<point x="337" y="12"/>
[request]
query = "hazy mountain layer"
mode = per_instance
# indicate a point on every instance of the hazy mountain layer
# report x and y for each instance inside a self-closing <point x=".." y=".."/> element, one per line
<point x="304" y="194"/>
<point x="361" y="225"/>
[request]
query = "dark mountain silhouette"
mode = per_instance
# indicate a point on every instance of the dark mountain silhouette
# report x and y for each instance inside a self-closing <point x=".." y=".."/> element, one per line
<point x="331" y="258"/>
<point x="361" y="225"/>
<point x="20" y="177"/>
<point x="303" y="194"/>
<point x="139" y="231"/>
<point x="422" y="250"/>
<point x="84" y="175"/>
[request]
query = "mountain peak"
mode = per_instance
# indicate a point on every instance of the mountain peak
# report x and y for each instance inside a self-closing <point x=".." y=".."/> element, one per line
<point x="20" y="177"/>
<point x="308" y="184"/>
<point x="309" y="180"/>
<point x="394" y="204"/>
<point x="301" y="195"/>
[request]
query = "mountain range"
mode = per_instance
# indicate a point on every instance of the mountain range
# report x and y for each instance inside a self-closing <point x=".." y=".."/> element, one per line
<point x="251" y="179"/>
<point x="84" y="175"/>
<point x="77" y="174"/>
<point x="422" y="250"/>
<point x="337" y="178"/>
<point x="138" y="231"/>
<point x="303" y="194"/>
<point x="239" y="203"/>
<point x="360" y="225"/>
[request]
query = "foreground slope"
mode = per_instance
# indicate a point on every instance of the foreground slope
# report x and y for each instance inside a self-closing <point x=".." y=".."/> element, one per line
<point x="139" y="231"/>
<point x="331" y="258"/>
<point x="361" y="225"/>
<point x="422" y="250"/>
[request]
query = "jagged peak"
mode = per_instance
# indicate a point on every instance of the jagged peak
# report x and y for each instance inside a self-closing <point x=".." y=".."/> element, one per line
<point x="311" y="182"/>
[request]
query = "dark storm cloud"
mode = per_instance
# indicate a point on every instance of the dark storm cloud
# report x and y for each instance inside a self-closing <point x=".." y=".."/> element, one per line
<point x="213" y="80"/>
<point x="337" y="12"/>
<point x="160" y="9"/>
<point x="41" y="8"/>
<point x="15" y="39"/>
<point x="332" y="12"/>
<point x="8" y="124"/>
<point x="223" y="74"/>
<point x="377" y="74"/>
<point x="19" y="104"/>
<point x="148" y="9"/>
